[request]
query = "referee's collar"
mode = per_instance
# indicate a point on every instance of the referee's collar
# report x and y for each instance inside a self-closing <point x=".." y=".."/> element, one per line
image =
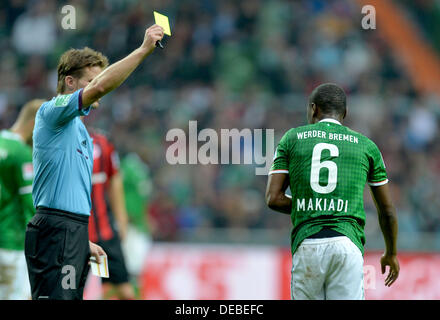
<point x="331" y="120"/>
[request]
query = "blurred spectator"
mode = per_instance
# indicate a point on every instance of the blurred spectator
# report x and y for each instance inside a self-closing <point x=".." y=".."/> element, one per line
<point x="34" y="31"/>
<point x="422" y="127"/>
<point x="232" y="64"/>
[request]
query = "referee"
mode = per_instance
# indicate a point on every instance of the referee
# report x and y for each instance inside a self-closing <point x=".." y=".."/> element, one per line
<point x="57" y="247"/>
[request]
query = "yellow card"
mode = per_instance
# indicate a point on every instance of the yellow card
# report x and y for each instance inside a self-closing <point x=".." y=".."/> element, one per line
<point x="162" y="21"/>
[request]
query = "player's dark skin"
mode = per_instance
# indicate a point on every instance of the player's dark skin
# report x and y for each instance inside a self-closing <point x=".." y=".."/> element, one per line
<point x="277" y="200"/>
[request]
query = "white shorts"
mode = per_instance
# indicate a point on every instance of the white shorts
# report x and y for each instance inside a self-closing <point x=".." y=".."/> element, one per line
<point x="327" y="269"/>
<point x="135" y="248"/>
<point x="14" y="279"/>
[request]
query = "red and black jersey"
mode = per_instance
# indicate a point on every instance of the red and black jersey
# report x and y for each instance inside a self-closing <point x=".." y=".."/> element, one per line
<point x="105" y="165"/>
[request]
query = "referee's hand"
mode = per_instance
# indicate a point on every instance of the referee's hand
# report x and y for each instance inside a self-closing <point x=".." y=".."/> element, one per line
<point x="152" y="34"/>
<point x="96" y="251"/>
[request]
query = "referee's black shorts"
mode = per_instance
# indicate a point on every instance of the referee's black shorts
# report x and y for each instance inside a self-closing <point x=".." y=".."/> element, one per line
<point x="57" y="253"/>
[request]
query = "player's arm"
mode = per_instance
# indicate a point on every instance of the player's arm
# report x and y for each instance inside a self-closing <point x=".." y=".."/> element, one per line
<point x="116" y="190"/>
<point x="378" y="181"/>
<point x="388" y="224"/>
<point x="117" y="203"/>
<point x="278" y="180"/>
<point x="276" y="197"/>
<point x="27" y="204"/>
<point x="115" y="74"/>
<point x="24" y="175"/>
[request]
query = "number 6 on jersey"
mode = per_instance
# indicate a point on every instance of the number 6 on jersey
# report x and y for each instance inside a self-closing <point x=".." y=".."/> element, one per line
<point x="317" y="165"/>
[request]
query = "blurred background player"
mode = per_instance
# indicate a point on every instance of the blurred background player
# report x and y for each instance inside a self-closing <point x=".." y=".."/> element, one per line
<point x="137" y="188"/>
<point x="16" y="207"/>
<point x="108" y="218"/>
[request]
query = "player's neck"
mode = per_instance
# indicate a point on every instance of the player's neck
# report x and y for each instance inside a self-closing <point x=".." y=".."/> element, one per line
<point x="323" y="117"/>
<point x="18" y="130"/>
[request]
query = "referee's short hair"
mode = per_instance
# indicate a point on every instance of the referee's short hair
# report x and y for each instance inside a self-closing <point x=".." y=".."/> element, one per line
<point x="330" y="98"/>
<point x="73" y="62"/>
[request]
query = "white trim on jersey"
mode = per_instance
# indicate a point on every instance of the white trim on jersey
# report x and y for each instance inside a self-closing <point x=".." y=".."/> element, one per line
<point x="377" y="184"/>
<point x="278" y="171"/>
<point x="25" y="190"/>
<point x="331" y="120"/>
<point x="100" y="177"/>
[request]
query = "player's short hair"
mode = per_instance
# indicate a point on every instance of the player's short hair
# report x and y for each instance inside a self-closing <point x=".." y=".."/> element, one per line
<point x="330" y="98"/>
<point x="73" y="62"/>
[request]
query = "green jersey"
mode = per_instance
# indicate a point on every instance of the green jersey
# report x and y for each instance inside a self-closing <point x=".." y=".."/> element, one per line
<point x="328" y="166"/>
<point x="137" y="189"/>
<point x="16" y="174"/>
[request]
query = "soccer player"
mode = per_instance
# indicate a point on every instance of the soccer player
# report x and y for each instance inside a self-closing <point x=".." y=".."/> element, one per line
<point x="327" y="166"/>
<point x="57" y="247"/>
<point x="138" y="189"/>
<point x="16" y="207"/>
<point x="108" y="219"/>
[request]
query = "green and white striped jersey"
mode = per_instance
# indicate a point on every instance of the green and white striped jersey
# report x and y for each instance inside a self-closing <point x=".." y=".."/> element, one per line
<point x="328" y="166"/>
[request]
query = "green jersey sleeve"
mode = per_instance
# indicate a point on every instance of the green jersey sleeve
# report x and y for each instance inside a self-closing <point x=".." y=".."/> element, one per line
<point x="281" y="157"/>
<point x="377" y="174"/>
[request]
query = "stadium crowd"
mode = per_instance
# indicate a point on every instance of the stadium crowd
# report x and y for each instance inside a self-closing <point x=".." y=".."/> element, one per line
<point x="231" y="64"/>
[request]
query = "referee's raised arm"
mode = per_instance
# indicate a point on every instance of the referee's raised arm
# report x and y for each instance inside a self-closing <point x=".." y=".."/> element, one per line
<point x="115" y="74"/>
